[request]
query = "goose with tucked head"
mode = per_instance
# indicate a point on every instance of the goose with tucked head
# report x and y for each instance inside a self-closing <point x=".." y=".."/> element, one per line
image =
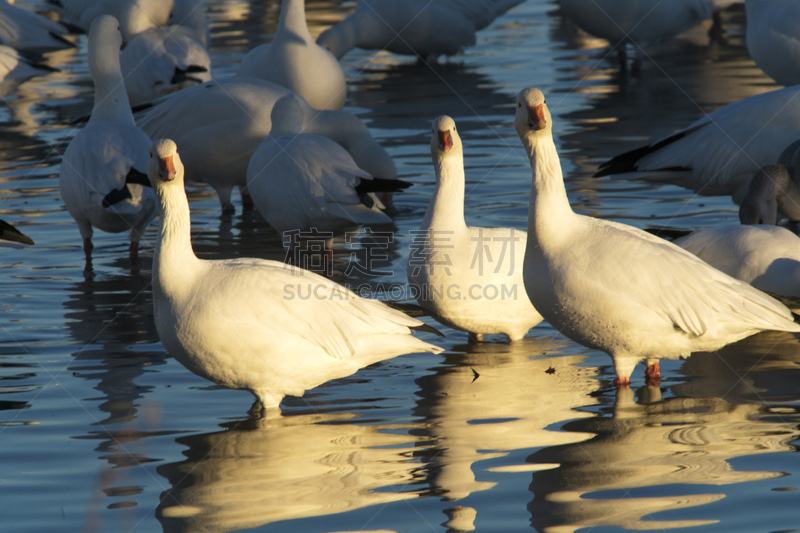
<point x="618" y="289"/>
<point x="774" y="189"/>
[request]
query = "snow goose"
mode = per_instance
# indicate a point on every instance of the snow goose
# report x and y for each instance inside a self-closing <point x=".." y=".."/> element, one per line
<point x="774" y="189"/>
<point x="106" y="151"/>
<point x="11" y="234"/>
<point x="218" y="143"/>
<point x="24" y="30"/>
<point x="455" y="269"/>
<point x="413" y="27"/>
<point x="773" y="38"/>
<point x="250" y="323"/>
<point x="618" y="289"/>
<point x="159" y="58"/>
<point x="720" y="153"/>
<point x="299" y="181"/>
<point x="641" y="23"/>
<point x="295" y="61"/>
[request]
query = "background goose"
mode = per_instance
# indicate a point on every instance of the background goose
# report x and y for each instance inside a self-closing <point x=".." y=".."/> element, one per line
<point x="218" y="143"/>
<point x="618" y="289"/>
<point x="720" y="153"/>
<point x="160" y="57"/>
<point x="413" y="27"/>
<point x="641" y="23"/>
<point x="448" y="260"/>
<point x="241" y="322"/>
<point x="24" y="30"/>
<point x="295" y="61"/>
<point x="100" y="156"/>
<point x="774" y="189"/>
<point x="773" y="38"/>
<point x="300" y="181"/>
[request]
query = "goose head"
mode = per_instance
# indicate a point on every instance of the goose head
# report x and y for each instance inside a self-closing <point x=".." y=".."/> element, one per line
<point x="165" y="169"/>
<point x="532" y="117"/>
<point x="774" y="189"/>
<point x="445" y="141"/>
<point x="288" y="116"/>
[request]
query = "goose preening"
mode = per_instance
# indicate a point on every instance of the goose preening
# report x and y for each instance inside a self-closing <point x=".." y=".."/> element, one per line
<point x="217" y="143"/>
<point x="774" y="189"/>
<point x="252" y="324"/>
<point x="413" y="27"/>
<point x="11" y="234"/>
<point x="160" y="57"/>
<point x="25" y="30"/>
<point x="299" y="181"/>
<point x="718" y="154"/>
<point x="618" y="289"/>
<point x="455" y="269"/>
<point x="108" y="149"/>
<point x="641" y="23"/>
<point x="296" y="62"/>
<point x="773" y="38"/>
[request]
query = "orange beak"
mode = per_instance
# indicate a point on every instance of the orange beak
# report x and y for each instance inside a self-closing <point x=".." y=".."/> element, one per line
<point x="166" y="168"/>
<point x="445" y="140"/>
<point x="536" y="118"/>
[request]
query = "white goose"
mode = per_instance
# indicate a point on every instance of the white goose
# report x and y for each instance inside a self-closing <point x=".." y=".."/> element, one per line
<point x="720" y="153"/>
<point x="618" y="289"/>
<point x="249" y="323"/>
<point x="218" y="143"/>
<point x="422" y="28"/>
<point x="773" y="38"/>
<point x="641" y="23"/>
<point x="451" y="266"/>
<point x="300" y="181"/>
<point x="108" y="149"/>
<point x="24" y="30"/>
<point x="159" y="58"/>
<point x="295" y="61"/>
<point x="774" y="189"/>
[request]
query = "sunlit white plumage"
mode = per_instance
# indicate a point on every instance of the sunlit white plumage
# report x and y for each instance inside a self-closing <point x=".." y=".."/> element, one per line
<point x="619" y="289"/>
<point x="25" y="30"/>
<point x="421" y="28"/>
<point x="773" y="38"/>
<point x="468" y="277"/>
<point x="160" y="57"/>
<point x="104" y="152"/>
<point x="217" y="143"/>
<point x="251" y="323"/>
<point x="720" y="153"/>
<point x="295" y="61"/>
<point x="300" y="181"/>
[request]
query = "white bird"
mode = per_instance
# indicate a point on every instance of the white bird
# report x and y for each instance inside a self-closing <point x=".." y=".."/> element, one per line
<point x="11" y="234"/>
<point x="159" y="58"/>
<point x="774" y="189"/>
<point x="641" y="23"/>
<point x="767" y="257"/>
<point x="773" y="38"/>
<point x="618" y="289"/>
<point x="15" y="69"/>
<point x="422" y="28"/>
<point x="24" y="30"/>
<point x="720" y="153"/>
<point x="300" y="181"/>
<point x="251" y="323"/>
<point x="219" y="125"/>
<point x="468" y="277"/>
<point x="106" y="151"/>
<point x="296" y="62"/>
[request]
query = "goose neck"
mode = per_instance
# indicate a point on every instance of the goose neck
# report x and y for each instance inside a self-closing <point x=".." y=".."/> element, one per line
<point x="446" y="208"/>
<point x="174" y="257"/>
<point x="111" y="98"/>
<point x="549" y="207"/>
<point x="293" y="18"/>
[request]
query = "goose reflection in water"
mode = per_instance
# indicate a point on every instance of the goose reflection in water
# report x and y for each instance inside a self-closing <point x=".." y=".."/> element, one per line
<point x="259" y="471"/>
<point x="496" y="398"/>
<point x="677" y="442"/>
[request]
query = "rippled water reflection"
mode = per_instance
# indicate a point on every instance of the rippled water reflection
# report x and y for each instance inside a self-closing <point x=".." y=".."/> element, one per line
<point x="100" y="430"/>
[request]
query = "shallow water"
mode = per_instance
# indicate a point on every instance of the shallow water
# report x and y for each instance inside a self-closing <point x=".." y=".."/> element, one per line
<point x="100" y="430"/>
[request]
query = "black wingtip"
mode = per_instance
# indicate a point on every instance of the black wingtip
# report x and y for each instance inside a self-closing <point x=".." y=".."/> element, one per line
<point x="116" y="196"/>
<point x="381" y="185"/>
<point x="12" y="234"/>
<point x="429" y="329"/>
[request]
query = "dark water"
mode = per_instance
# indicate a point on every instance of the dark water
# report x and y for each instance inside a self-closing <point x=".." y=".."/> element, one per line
<point x="100" y="430"/>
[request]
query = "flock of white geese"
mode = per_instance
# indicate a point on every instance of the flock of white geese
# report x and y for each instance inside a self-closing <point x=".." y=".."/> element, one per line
<point x="277" y="132"/>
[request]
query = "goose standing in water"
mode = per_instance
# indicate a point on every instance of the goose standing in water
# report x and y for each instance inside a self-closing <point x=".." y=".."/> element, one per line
<point x="469" y="278"/>
<point x="773" y="38"/>
<point x="618" y="289"/>
<point x="256" y="324"/>
<point x="110" y="148"/>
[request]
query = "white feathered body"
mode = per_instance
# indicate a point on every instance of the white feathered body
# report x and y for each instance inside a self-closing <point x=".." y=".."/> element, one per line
<point x="773" y="38"/>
